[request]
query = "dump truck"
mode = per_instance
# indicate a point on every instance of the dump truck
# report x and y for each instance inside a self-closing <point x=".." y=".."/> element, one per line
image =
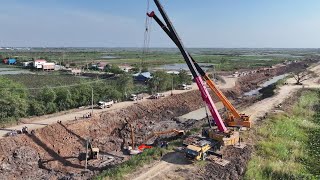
<point x="197" y="152"/>
<point x="199" y="147"/>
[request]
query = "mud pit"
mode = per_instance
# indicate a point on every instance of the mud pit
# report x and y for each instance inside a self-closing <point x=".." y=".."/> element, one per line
<point x="55" y="152"/>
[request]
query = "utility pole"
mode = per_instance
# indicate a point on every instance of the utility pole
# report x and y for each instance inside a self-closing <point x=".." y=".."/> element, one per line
<point x="87" y="144"/>
<point x="132" y="137"/>
<point x="91" y="100"/>
<point x="172" y="86"/>
<point x="214" y="73"/>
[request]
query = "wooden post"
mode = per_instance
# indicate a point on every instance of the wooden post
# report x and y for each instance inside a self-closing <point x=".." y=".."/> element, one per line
<point x="86" y="165"/>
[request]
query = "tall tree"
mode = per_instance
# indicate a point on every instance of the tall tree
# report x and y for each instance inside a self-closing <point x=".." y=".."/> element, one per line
<point x="112" y="68"/>
<point x="13" y="101"/>
<point x="36" y="108"/>
<point x="81" y="95"/>
<point x="301" y="75"/>
<point x="125" y="84"/>
<point x="161" y="81"/>
<point x="64" y="99"/>
<point x="184" y="77"/>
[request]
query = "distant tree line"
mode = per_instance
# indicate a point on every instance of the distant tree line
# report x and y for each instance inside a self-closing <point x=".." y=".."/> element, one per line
<point x="16" y="101"/>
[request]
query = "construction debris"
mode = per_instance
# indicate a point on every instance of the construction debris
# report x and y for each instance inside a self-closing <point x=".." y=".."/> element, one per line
<point x="55" y="152"/>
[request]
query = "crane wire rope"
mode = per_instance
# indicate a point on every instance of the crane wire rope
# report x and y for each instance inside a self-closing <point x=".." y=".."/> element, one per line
<point x="147" y="33"/>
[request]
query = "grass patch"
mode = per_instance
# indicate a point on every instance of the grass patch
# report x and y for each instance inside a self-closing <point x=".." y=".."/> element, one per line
<point x="289" y="145"/>
<point x="193" y="131"/>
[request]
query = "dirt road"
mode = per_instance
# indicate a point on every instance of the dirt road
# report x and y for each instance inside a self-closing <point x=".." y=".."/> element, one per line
<point x="165" y="170"/>
<point x="259" y="109"/>
<point x="169" y="161"/>
<point x="42" y="121"/>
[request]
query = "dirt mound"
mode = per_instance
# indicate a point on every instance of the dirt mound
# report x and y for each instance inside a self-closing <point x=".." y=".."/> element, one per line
<point x="23" y="163"/>
<point x="234" y="170"/>
<point x="56" y="151"/>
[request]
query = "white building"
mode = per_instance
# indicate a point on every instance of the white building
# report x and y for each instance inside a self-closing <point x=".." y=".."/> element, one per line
<point x="38" y="63"/>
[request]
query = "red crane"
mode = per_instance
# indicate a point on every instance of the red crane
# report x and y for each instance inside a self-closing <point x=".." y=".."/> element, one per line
<point x="171" y="32"/>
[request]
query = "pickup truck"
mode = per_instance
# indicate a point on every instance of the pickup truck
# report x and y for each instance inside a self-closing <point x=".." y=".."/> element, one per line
<point x="185" y="87"/>
<point x="134" y="97"/>
<point x="102" y="104"/>
<point x="156" y="96"/>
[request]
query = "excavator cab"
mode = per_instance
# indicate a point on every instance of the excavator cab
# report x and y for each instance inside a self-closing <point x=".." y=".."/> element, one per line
<point x="94" y="154"/>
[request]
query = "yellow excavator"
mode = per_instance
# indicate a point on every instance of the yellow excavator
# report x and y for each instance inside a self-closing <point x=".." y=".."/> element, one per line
<point x="94" y="152"/>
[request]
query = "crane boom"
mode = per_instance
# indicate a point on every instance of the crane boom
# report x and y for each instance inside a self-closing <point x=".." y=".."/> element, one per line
<point x="187" y="57"/>
<point x="235" y="118"/>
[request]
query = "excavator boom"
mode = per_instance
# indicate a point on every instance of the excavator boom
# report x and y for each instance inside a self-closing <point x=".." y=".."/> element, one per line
<point x="156" y="134"/>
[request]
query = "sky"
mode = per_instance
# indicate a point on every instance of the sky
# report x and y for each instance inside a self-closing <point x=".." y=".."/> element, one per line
<point x="121" y="23"/>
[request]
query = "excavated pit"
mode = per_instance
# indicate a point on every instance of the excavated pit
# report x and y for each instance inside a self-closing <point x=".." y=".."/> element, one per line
<point x="56" y="151"/>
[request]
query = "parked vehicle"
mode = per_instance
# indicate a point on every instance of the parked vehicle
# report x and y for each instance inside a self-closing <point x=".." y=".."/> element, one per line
<point x="156" y="96"/>
<point x="12" y="133"/>
<point x="185" y="87"/>
<point x="135" y="97"/>
<point x="9" y="61"/>
<point x="107" y="104"/>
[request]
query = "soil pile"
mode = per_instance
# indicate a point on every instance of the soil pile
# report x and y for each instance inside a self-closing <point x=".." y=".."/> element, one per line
<point x="234" y="170"/>
<point x="57" y="151"/>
